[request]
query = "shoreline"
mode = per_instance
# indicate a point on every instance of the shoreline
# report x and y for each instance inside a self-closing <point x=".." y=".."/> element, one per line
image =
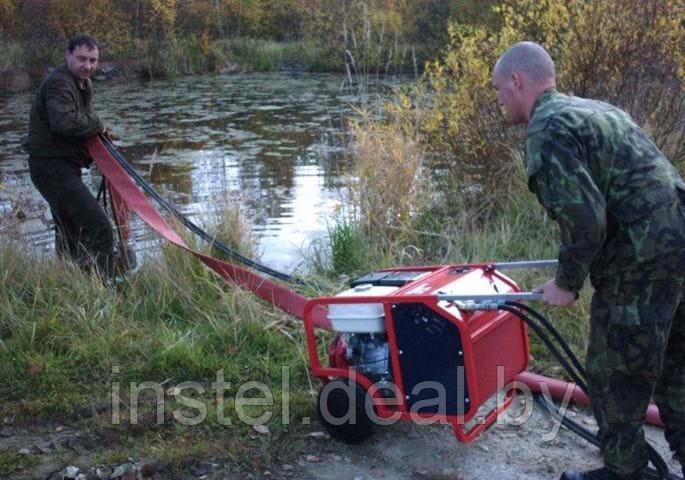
<point x="18" y="80"/>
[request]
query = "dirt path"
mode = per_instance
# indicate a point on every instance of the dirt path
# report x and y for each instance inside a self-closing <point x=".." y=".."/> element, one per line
<point x="401" y="451"/>
<point x="505" y="452"/>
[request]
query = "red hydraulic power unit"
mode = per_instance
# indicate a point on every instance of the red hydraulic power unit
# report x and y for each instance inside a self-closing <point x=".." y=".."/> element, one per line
<point x="401" y="352"/>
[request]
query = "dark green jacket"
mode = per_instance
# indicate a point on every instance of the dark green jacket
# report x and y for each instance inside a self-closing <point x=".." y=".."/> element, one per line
<point x="615" y="195"/>
<point x="62" y="118"/>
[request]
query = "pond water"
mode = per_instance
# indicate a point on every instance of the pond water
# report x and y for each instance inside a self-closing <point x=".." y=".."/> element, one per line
<point x="272" y="141"/>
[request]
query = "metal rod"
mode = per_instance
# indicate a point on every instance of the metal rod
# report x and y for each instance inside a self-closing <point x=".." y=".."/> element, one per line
<point x="495" y="297"/>
<point x="525" y="264"/>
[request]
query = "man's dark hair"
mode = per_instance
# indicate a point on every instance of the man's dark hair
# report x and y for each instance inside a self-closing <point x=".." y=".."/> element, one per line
<point x="82" y="39"/>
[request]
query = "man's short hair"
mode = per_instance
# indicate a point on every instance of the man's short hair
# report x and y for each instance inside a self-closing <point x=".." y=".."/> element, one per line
<point x="81" y="39"/>
<point x="530" y="58"/>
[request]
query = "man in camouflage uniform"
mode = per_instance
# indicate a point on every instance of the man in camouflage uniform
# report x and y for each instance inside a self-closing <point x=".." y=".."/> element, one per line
<point x="619" y="205"/>
<point x="61" y="121"/>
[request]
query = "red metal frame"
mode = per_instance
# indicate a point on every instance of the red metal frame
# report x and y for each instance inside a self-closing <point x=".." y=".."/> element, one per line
<point x="487" y="337"/>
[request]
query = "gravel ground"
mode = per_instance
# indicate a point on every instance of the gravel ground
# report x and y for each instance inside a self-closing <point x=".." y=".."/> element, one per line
<point x="401" y="451"/>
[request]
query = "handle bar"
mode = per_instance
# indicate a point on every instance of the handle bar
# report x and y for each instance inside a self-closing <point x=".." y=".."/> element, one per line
<point x="490" y="301"/>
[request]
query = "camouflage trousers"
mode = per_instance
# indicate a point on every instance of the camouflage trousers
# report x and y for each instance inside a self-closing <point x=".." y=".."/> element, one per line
<point x="636" y="352"/>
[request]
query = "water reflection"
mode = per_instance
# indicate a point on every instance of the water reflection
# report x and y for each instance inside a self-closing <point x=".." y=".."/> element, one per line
<point x="273" y="139"/>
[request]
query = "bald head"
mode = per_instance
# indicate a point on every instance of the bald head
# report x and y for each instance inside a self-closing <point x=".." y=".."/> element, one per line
<point x="527" y="58"/>
<point x="520" y="76"/>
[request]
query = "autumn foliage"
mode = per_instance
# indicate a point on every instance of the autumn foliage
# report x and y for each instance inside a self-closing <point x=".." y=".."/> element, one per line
<point x="627" y="52"/>
<point x="364" y="36"/>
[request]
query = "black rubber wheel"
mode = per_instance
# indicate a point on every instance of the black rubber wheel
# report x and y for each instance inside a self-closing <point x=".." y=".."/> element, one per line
<point x="343" y="408"/>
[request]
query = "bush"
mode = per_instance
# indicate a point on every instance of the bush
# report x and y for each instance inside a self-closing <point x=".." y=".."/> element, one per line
<point x="626" y="54"/>
<point x="390" y="187"/>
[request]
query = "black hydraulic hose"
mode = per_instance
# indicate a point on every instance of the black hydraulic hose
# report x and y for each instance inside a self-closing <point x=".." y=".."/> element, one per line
<point x="654" y="456"/>
<point x="661" y="468"/>
<point x="591" y="437"/>
<point x="575" y="427"/>
<point x="577" y="377"/>
<point x="555" y="333"/>
<point x="102" y="193"/>
<point x="220" y="246"/>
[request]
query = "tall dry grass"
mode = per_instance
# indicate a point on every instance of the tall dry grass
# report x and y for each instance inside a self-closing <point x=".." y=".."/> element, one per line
<point x="227" y="223"/>
<point x="390" y="186"/>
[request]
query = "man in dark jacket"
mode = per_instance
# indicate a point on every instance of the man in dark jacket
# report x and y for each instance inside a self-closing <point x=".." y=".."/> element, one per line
<point x="619" y="205"/>
<point x="60" y="123"/>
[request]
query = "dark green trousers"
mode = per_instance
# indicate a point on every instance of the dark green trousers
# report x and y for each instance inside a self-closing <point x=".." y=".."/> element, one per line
<point x="83" y="230"/>
<point x="636" y="352"/>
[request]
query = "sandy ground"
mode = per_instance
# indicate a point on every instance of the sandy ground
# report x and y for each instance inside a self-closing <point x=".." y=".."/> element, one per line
<point x="400" y="451"/>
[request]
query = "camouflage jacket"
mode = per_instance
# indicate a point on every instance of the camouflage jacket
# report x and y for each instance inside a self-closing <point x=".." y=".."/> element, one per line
<point x="616" y="197"/>
<point x="62" y="118"/>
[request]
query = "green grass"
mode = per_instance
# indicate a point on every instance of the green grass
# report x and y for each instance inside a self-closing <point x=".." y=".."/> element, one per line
<point x="62" y="332"/>
<point x="187" y="56"/>
<point x="67" y="341"/>
<point x="349" y="248"/>
<point x="68" y="344"/>
<point x="254" y="55"/>
<point x="14" y="462"/>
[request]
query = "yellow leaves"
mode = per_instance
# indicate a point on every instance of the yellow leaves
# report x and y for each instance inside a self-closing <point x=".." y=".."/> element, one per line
<point x="164" y="14"/>
<point x="458" y="82"/>
<point x="622" y="51"/>
<point x="67" y="20"/>
<point x="7" y="7"/>
<point x="556" y="21"/>
<point x="206" y="42"/>
<point x="673" y="26"/>
<point x="620" y="37"/>
<point x="9" y="21"/>
<point x="386" y="20"/>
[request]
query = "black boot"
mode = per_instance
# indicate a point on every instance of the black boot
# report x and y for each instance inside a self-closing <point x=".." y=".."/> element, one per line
<point x="599" y="474"/>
